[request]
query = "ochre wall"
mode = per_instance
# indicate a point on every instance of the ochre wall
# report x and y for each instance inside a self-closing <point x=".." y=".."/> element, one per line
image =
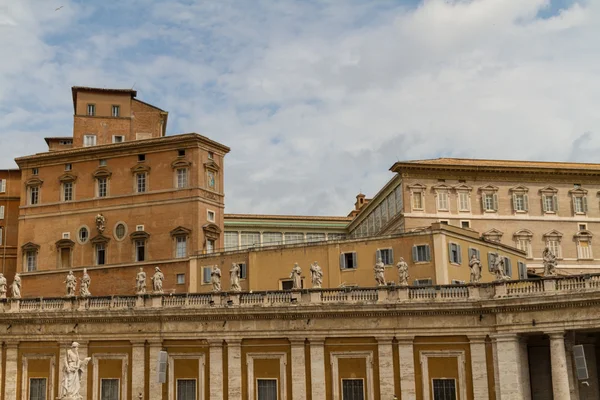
<point x="266" y="368"/>
<point x="146" y="119"/>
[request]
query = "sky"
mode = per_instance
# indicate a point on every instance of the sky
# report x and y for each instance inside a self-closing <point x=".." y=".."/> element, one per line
<point x="316" y="99"/>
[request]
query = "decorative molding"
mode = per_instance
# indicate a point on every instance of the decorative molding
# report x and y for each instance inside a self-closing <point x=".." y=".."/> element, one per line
<point x="180" y="231"/>
<point x="30" y="246"/>
<point x="65" y="243"/>
<point x="140" y="168"/>
<point x="336" y="384"/>
<point x="424" y="356"/>
<point x="102" y="172"/>
<point x="519" y="189"/>
<point x="25" y="374"/>
<point x="212" y="166"/>
<point x="137" y="235"/>
<point x="488" y="188"/>
<point x="282" y="381"/>
<point x="65" y="178"/>
<point x="201" y="373"/>
<point x="181" y="163"/>
<point x="100" y="238"/>
<point x="34" y="182"/>
<point x="96" y="375"/>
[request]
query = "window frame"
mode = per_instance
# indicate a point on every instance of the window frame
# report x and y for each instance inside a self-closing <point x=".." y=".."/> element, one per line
<point x="90" y="110"/>
<point x="40" y="378"/>
<point x="433" y="393"/>
<point x="207" y="279"/>
<point x="141" y="183"/>
<point x="97" y="248"/>
<point x="67" y="191"/>
<point x="89" y="138"/>
<point x="344" y="261"/>
<point x="180" y="281"/>
<point x="118" y="386"/>
<point x="33" y="192"/>
<point x="182" y="178"/>
<point x="99" y="183"/>
<point x="427" y="253"/>
<point x="387" y="250"/>
<point x="117" y="108"/>
<point x="31" y="254"/>
<point x="463" y="191"/>
<point x="177" y="380"/>
<point x="81" y="229"/>
<point x="454" y="253"/>
<point x="462" y="221"/>
<point x="136" y="247"/>
<point x="277" y="396"/>
<point x="184" y="249"/>
<point x="362" y="380"/>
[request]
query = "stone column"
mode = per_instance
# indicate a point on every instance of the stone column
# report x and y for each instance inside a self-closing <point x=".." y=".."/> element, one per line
<point x="558" y="360"/>
<point x="508" y="365"/>
<point x="234" y="364"/>
<point x="215" y="370"/>
<point x="317" y="367"/>
<point x="82" y="350"/>
<point x="525" y="375"/>
<point x="386" y="368"/>
<point x="10" y="379"/>
<point x="154" y="388"/>
<point x="479" y="367"/>
<point x="138" y="370"/>
<point x="298" y="370"/>
<point x="406" y="355"/>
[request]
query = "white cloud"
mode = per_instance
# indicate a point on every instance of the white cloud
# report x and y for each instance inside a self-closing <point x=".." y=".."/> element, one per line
<point x="318" y="99"/>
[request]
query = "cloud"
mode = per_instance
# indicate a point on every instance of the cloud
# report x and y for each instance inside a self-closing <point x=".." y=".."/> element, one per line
<point x="316" y="99"/>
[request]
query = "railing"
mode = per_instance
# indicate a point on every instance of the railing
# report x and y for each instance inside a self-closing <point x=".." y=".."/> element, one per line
<point x="354" y="295"/>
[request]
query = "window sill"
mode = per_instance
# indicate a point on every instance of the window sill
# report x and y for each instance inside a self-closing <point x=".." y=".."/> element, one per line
<point x="348" y="269"/>
<point x="464" y="211"/>
<point x="454" y="263"/>
<point x="491" y="211"/>
<point x="550" y="212"/>
<point x="521" y="212"/>
<point x="421" y="262"/>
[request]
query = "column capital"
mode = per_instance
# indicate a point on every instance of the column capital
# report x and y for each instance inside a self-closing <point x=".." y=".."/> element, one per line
<point x="215" y="342"/>
<point x="556" y="335"/>
<point x="233" y="342"/>
<point x="405" y="340"/>
<point x="505" y="337"/>
<point x="297" y="342"/>
<point x="317" y="340"/>
<point x="477" y="338"/>
<point x="12" y="344"/>
<point x="384" y="339"/>
<point x="137" y="342"/>
<point x="155" y="342"/>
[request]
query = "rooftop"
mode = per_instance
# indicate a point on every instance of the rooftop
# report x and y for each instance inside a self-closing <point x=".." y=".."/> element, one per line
<point x="485" y="163"/>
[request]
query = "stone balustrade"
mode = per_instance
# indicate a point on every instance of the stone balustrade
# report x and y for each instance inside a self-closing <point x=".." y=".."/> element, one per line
<point x="385" y="294"/>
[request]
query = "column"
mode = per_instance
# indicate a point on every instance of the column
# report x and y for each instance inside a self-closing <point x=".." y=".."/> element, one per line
<point x="525" y="375"/>
<point x="386" y="368"/>
<point x="558" y="360"/>
<point x="215" y="369"/>
<point x="82" y="350"/>
<point x="10" y="378"/>
<point x="154" y="388"/>
<point x="479" y="368"/>
<point x="138" y="371"/>
<point x="234" y="364"/>
<point x="406" y="355"/>
<point x="317" y="368"/>
<point x="508" y="364"/>
<point x="298" y="370"/>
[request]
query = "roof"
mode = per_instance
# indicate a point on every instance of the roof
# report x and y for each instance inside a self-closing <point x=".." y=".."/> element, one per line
<point x="77" y="89"/>
<point x="287" y="217"/>
<point x="48" y="139"/>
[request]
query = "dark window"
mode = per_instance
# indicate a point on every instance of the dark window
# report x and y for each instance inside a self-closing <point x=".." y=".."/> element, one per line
<point x="444" y="389"/>
<point x="243" y="270"/>
<point x="421" y="253"/>
<point x="100" y="254"/>
<point x="140" y="250"/>
<point x="465" y="224"/>
<point x="181" y="152"/>
<point x="454" y="253"/>
<point x="267" y="389"/>
<point x="348" y="260"/>
<point x="109" y="389"/>
<point x="116" y="111"/>
<point x="186" y="389"/>
<point x="37" y="389"/>
<point x="353" y="389"/>
<point x="423" y="282"/>
<point x="386" y="255"/>
<point x="445" y="222"/>
<point x="91" y="109"/>
<point x="211" y="155"/>
<point x="35" y="171"/>
<point x="141" y="157"/>
<point x="289" y="285"/>
<point x="68" y="167"/>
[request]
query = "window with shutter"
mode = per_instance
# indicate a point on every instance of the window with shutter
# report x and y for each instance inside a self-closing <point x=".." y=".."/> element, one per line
<point x="522" y="270"/>
<point x="454" y="253"/>
<point x="2" y="185"/>
<point x="421" y="253"/>
<point x="507" y="266"/>
<point x="1" y="212"/>
<point x="206" y="271"/>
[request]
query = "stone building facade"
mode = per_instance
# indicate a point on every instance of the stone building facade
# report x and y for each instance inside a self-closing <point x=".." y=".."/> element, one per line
<point x="10" y="181"/>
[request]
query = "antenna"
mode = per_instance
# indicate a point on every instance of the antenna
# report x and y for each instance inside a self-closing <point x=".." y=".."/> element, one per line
<point x="133" y="85"/>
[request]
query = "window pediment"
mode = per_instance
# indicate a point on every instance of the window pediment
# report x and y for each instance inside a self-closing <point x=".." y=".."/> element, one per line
<point x="578" y="192"/>
<point x="140" y="168"/>
<point x="553" y="234"/>
<point x="523" y="234"/>
<point x="441" y="187"/>
<point x="34" y="182"/>
<point x="30" y="246"/>
<point x="102" y="173"/>
<point x="212" y="165"/>
<point x="519" y="189"/>
<point x="67" y="178"/>
<point x="549" y="190"/>
<point x="463" y="188"/>
<point x="583" y="235"/>
<point x="416" y="187"/>
<point x="65" y="243"/>
<point x="211" y="231"/>
<point x="180" y="231"/>
<point x="139" y="235"/>
<point x="493" y="235"/>
<point x="100" y="239"/>
<point x="488" y="188"/>
<point x="181" y="163"/>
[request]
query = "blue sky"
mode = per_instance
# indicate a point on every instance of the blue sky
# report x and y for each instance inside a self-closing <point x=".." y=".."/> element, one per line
<point x="317" y="99"/>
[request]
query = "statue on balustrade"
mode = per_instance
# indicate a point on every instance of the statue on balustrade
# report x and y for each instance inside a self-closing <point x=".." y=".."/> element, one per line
<point x="234" y="278"/>
<point x="316" y="274"/>
<point x="3" y="286"/>
<point x="549" y="262"/>
<point x="71" y="284"/>
<point x="100" y="223"/>
<point x="157" y="281"/>
<point x="498" y="268"/>
<point x="379" y="272"/>
<point x="402" y="272"/>
<point x="475" y="265"/>
<point x="215" y="276"/>
<point x="86" y="281"/>
<point x="16" y="287"/>
<point x="140" y="282"/>
<point x="73" y="370"/>
<point x="296" y="277"/>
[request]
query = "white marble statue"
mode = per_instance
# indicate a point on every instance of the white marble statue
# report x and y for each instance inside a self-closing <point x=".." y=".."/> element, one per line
<point x="234" y="278"/>
<point x="379" y="270"/>
<point x="475" y="266"/>
<point x="215" y="277"/>
<point x="16" y="287"/>
<point x="86" y="281"/>
<point x="296" y="276"/>
<point x="157" y="280"/>
<point x="71" y="284"/>
<point x="402" y="272"/>
<point x="498" y="268"/>
<point x="72" y="372"/>
<point x="100" y="223"/>
<point x="316" y="275"/>
<point x="549" y="262"/>
<point x="140" y="282"/>
<point x="3" y="286"/>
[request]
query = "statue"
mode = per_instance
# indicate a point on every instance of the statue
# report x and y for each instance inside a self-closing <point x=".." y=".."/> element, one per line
<point x="549" y="262"/>
<point x="234" y="278"/>
<point x="379" y="271"/>
<point x="140" y="282"/>
<point x="157" y="281"/>
<point x="16" y="287"/>
<point x="100" y="223"/>
<point x="3" y="286"/>
<point x="316" y="275"/>
<point x="475" y="266"/>
<point x="215" y="276"/>
<point x="71" y="283"/>
<point x="72" y="372"/>
<point x="498" y="268"/>
<point x="84" y="289"/>
<point x="402" y="272"/>
<point x="296" y="277"/>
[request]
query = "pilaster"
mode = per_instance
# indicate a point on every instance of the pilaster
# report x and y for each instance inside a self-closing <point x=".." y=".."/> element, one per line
<point x="479" y="368"/>
<point x="138" y="369"/>
<point x="317" y="367"/>
<point x="234" y="364"/>
<point x="154" y="388"/>
<point x="508" y="365"/>
<point x="298" y="369"/>
<point x="10" y="378"/>
<point x="558" y="360"/>
<point x="82" y="350"/>
<point x="406" y="355"/>
<point x="215" y="348"/>
<point x="386" y="368"/>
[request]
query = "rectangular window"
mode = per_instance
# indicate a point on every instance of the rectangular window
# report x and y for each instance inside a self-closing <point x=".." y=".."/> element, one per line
<point x="475" y="251"/>
<point x="525" y="245"/>
<point x="102" y="163"/>
<point x="272" y="238"/>
<point x="140" y="179"/>
<point x="116" y="111"/>
<point x="180" y="279"/>
<point x="37" y="388"/>
<point x="89" y="140"/>
<point x="68" y="191"/>
<point x="186" y="389"/>
<point x="421" y="253"/>
<point x="348" y="260"/>
<point x="181" y="247"/>
<point x="266" y="389"/>
<point x="100" y="254"/>
<point x="91" y="110"/>
<point x="140" y="250"/>
<point x="231" y="240"/>
<point x="465" y="224"/>
<point x="464" y="203"/>
<point x="68" y="167"/>
<point x="353" y="389"/>
<point x="490" y="201"/>
<point x="417" y="200"/>
<point x="579" y="204"/>
<point x="109" y="389"/>
<point x="182" y="178"/>
<point x="386" y="255"/>
<point x="31" y="258"/>
<point x="584" y="250"/>
<point x="423" y="282"/>
<point x="34" y="195"/>
<point x="554" y="247"/>
<point x="211" y="155"/>
<point x="206" y="277"/>
<point x="520" y="202"/>
<point x="35" y="171"/>
<point x="442" y="201"/>
<point x="582" y="227"/>
<point x="118" y="138"/>
<point x="315" y="237"/>
<point x="211" y="179"/>
<point x="250" y="239"/>
<point x="210" y="246"/>
<point x="507" y="266"/>
<point x="550" y="203"/>
<point x="243" y="270"/>
<point x="1" y="212"/>
<point x="2" y="185"/>
<point x="181" y="153"/>
<point x="454" y="253"/>
<point x="444" y="389"/>
<point x="1" y="234"/>
<point x="293" y="237"/>
<point x="522" y="270"/>
<point x="141" y="157"/>
<point x="102" y="186"/>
